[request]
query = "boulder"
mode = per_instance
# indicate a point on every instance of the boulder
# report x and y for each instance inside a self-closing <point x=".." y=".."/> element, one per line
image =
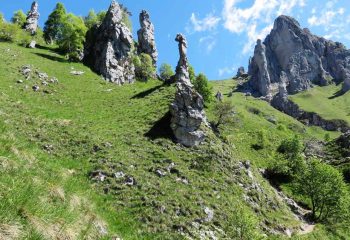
<point x="146" y="39"/>
<point x="32" y="19"/>
<point x="108" y="48"/>
<point x="306" y="60"/>
<point x="32" y="44"/>
<point x="241" y="73"/>
<point x="187" y="110"/>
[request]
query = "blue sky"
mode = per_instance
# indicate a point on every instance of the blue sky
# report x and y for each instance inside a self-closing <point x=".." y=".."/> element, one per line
<point x="221" y="33"/>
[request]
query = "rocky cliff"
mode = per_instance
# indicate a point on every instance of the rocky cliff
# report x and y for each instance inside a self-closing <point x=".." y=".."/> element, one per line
<point x="146" y="39"/>
<point x="187" y="110"/>
<point x="108" y="48"/>
<point x="305" y="59"/>
<point x="32" y="19"/>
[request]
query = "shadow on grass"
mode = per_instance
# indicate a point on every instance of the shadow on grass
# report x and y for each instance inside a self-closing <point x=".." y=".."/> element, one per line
<point x="161" y="129"/>
<point x="146" y="93"/>
<point x="52" y="58"/>
<point x="337" y="94"/>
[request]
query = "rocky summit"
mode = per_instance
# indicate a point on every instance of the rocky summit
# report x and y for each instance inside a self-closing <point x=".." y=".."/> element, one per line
<point x="146" y="39"/>
<point x="187" y="110"/>
<point x="305" y="59"/>
<point x="108" y="48"/>
<point x="32" y="18"/>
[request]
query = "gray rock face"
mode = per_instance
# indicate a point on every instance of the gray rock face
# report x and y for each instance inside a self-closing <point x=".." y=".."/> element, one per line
<point x="32" y="19"/>
<point x="108" y="48"/>
<point x="146" y="39"/>
<point x="187" y="110"/>
<point x="241" y="72"/>
<point x="305" y="58"/>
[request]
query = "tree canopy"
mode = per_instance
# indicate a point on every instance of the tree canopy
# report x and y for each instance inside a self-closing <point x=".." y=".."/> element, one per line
<point x="19" y="18"/>
<point x="53" y="25"/>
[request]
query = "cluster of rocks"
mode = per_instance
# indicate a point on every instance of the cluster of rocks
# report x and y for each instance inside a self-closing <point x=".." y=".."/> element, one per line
<point x="43" y="78"/>
<point x="297" y="58"/>
<point x="32" y="19"/>
<point x="146" y="39"/>
<point x="109" y="47"/>
<point x="187" y="110"/>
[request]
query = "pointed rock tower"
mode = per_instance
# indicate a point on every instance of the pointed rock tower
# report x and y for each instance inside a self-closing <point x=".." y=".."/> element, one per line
<point x="146" y="39"/>
<point x="32" y="18"/>
<point x="187" y="110"/>
<point x="108" y="48"/>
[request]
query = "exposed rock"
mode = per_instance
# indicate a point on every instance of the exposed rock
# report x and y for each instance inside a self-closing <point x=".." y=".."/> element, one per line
<point x="32" y="19"/>
<point x="241" y="73"/>
<point x="210" y="214"/>
<point x="42" y="75"/>
<point x="19" y="81"/>
<point x="305" y="59"/>
<point x="219" y="96"/>
<point x="146" y="39"/>
<point x="32" y="44"/>
<point x="77" y="73"/>
<point x="36" y="88"/>
<point x="344" y="140"/>
<point x="188" y="108"/>
<point x="108" y="48"/>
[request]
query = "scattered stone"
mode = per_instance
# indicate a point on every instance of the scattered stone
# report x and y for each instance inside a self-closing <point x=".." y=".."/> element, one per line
<point x="36" y="88"/>
<point x="53" y="80"/>
<point x="20" y="81"/>
<point x="130" y="181"/>
<point x="42" y="76"/>
<point x="26" y="70"/>
<point x="119" y="174"/>
<point x="77" y="73"/>
<point x="32" y="44"/>
<point x="305" y="60"/>
<point x="210" y="214"/>
<point x="219" y="96"/>
<point x="146" y="39"/>
<point x="44" y="83"/>
<point x="32" y="19"/>
<point x="183" y="180"/>
<point x="160" y="173"/>
<point x="98" y="176"/>
<point x="108" y="48"/>
<point x="188" y="108"/>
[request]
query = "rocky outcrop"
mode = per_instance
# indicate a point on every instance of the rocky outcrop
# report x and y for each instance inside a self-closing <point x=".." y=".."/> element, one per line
<point x="187" y="110"/>
<point x="32" y="19"/>
<point x="146" y="39"/>
<point x="241" y="73"/>
<point x="306" y="59"/>
<point x="108" y="48"/>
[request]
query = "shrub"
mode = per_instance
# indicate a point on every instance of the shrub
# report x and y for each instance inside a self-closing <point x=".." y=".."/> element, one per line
<point x="192" y="74"/>
<point x="144" y="68"/>
<point x="19" y="18"/>
<point x="224" y="112"/>
<point x="53" y="25"/>
<point x="166" y="71"/>
<point x="327" y="137"/>
<point x="324" y="187"/>
<point x="262" y="141"/>
<point x="9" y="32"/>
<point x="201" y="84"/>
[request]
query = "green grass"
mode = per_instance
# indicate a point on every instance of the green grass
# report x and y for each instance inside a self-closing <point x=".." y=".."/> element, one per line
<point x="51" y="140"/>
<point x="323" y="100"/>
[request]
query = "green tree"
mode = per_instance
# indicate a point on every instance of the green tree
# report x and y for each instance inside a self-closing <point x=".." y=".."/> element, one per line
<point x="101" y="15"/>
<point x="292" y="150"/>
<point x="19" y="18"/>
<point x="201" y="84"/>
<point x="166" y="71"/>
<point x="324" y="187"/>
<point x="224" y="112"/>
<point x="72" y="36"/>
<point x="91" y="19"/>
<point x="144" y="68"/>
<point x="192" y="74"/>
<point x="53" y="25"/>
<point x="2" y="18"/>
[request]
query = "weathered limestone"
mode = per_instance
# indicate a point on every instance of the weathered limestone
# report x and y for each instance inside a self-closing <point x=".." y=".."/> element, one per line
<point x="146" y="39"/>
<point x="187" y="110"/>
<point x="108" y="48"/>
<point x="241" y="72"/>
<point x="32" y="19"/>
<point x="305" y="58"/>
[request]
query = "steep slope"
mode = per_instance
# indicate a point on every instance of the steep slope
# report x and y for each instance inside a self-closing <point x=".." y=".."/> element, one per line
<point x="85" y="158"/>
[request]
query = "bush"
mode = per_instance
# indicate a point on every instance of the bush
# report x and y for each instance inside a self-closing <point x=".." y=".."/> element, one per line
<point x="166" y="71"/>
<point x="71" y="42"/>
<point x="9" y="32"/>
<point x="324" y="187"/>
<point x="224" y="112"/>
<point x="201" y="84"/>
<point x="19" y="18"/>
<point x="192" y="74"/>
<point x="144" y="68"/>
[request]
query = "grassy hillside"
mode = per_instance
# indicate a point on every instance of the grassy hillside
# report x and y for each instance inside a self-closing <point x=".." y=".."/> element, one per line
<point x="325" y="101"/>
<point x="85" y="159"/>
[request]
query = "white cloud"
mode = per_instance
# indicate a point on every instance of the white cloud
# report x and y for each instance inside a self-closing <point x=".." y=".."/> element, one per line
<point x="209" y="42"/>
<point x="209" y="23"/>
<point x="226" y="71"/>
<point x="255" y="21"/>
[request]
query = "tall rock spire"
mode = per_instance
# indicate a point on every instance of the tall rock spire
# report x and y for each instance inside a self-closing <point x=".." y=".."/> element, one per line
<point x="108" y="48"/>
<point x="32" y="18"/>
<point x="187" y="110"/>
<point x="146" y="39"/>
